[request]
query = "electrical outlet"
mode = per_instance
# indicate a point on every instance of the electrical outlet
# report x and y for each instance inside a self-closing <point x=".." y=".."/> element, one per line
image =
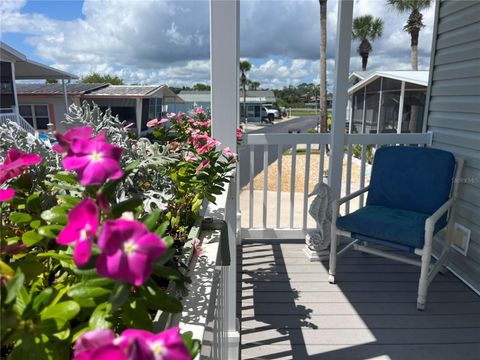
<point x="461" y="238"/>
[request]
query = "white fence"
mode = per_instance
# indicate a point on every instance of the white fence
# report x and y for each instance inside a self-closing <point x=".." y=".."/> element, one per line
<point x="288" y="215"/>
<point x="5" y="118"/>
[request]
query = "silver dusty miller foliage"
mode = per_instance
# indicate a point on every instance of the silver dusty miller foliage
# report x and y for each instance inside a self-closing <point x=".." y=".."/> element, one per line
<point x="149" y="178"/>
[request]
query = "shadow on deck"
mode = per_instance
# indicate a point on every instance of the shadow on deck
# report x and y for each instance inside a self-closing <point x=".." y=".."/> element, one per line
<point x="288" y="309"/>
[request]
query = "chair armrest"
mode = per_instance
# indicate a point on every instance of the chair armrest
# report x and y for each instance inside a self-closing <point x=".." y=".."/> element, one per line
<point x="432" y="220"/>
<point x="352" y="195"/>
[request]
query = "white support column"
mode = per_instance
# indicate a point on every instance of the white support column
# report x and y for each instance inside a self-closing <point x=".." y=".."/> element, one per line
<point x="380" y="99"/>
<point x="364" y="126"/>
<point x="16" y="109"/>
<point x="138" y="114"/>
<point x="342" y="62"/>
<point x="224" y="70"/>
<point x="65" y="98"/>
<point x="400" y="108"/>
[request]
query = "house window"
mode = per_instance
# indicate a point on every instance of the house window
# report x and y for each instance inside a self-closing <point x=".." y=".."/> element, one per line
<point x="35" y="115"/>
<point x="7" y="98"/>
<point x="155" y="108"/>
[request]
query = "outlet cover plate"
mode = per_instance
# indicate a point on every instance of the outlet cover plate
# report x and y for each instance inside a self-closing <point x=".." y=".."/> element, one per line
<point x="461" y="238"/>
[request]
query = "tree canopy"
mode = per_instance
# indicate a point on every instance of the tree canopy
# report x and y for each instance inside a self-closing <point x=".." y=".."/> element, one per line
<point x="101" y="78"/>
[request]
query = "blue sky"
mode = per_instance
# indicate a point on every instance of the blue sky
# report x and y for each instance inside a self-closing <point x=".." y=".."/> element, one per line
<point x="162" y="41"/>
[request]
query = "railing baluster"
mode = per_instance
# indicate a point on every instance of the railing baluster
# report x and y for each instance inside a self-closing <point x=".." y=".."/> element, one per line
<point x="265" y="184"/>
<point x="362" y="174"/>
<point x="292" y="183"/>
<point x="305" y="186"/>
<point x="348" y="181"/>
<point x="279" y="183"/>
<point x="252" y="171"/>
<point x="322" y="163"/>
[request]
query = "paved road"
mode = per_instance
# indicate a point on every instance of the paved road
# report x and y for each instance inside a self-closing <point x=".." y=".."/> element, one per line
<point x="300" y="123"/>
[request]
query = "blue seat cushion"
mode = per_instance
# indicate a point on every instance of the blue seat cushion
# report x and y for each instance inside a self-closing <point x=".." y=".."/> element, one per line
<point x="411" y="178"/>
<point x="399" y="226"/>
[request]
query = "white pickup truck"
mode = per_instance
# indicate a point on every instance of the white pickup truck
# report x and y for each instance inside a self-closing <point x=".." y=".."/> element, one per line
<point x="269" y="113"/>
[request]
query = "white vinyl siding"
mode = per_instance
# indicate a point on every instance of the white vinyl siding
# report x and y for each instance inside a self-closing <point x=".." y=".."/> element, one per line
<point x="454" y="115"/>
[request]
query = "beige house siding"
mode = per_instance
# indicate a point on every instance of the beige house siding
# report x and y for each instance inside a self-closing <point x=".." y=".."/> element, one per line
<point x="453" y="115"/>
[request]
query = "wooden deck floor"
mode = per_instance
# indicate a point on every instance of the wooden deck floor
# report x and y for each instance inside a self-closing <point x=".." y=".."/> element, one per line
<point x="289" y="310"/>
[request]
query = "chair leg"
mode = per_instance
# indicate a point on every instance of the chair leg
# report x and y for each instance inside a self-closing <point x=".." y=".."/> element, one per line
<point x="333" y="258"/>
<point x="423" y="282"/>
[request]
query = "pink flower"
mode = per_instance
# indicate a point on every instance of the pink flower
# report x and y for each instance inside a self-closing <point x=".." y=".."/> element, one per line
<point x="170" y="115"/>
<point x="181" y="113"/>
<point x="132" y="344"/>
<point x="66" y="140"/>
<point x="81" y="228"/>
<point x="190" y="157"/>
<point x="203" y="123"/>
<point x="239" y="133"/>
<point x="156" y="122"/>
<point x="229" y="153"/>
<point x="199" y="110"/>
<point x="197" y="248"/>
<point x="167" y="345"/>
<point x="94" y="161"/>
<point x="16" y="162"/>
<point x="202" y="166"/>
<point x="128" y="251"/>
<point x="6" y="194"/>
<point x="203" y="143"/>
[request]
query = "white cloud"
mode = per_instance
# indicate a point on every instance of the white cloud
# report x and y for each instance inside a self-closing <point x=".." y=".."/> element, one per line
<point x="160" y="41"/>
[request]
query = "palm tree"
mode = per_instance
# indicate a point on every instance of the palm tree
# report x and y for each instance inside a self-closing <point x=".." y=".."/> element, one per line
<point x="366" y="28"/>
<point x="245" y="66"/>
<point x="323" y="65"/>
<point x="414" y="23"/>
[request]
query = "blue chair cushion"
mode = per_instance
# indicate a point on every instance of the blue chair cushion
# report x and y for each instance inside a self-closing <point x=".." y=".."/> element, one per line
<point x="399" y="226"/>
<point x="411" y="178"/>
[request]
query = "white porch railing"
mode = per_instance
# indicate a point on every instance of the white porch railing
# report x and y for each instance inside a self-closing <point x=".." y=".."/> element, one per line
<point x="5" y="118"/>
<point x="267" y="211"/>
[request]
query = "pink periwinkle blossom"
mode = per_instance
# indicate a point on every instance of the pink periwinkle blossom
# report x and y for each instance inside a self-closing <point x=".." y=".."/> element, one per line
<point x="204" y="123"/>
<point x="190" y="157"/>
<point x="156" y="122"/>
<point x="15" y="163"/>
<point x="171" y="115"/>
<point x="181" y="113"/>
<point x="202" y="166"/>
<point x="132" y="344"/>
<point x="199" y="110"/>
<point x="128" y="251"/>
<point x="239" y="133"/>
<point x="229" y="153"/>
<point x="80" y="230"/>
<point x="197" y="248"/>
<point x="64" y="141"/>
<point x="203" y="143"/>
<point x="94" y="161"/>
<point x="6" y="194"/>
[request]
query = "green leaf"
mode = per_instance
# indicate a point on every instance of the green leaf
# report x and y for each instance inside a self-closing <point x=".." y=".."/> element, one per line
<point x="29" y="347"/>
<point x="31" y="237"/>
<point x="98" y="319"/>
<point x="67" y="177"/>
<point x="30" y="266"/>
<point x="67" y="199"/>
<point x="35" y="224"/>
<point x="191" y="344"/>
<point x="55" y="255"/>
<point x="151" y="220"/>
<point x="119" y="295"/>
<point x="56" y="215"/>
<point x="5" y="269"/>
<point x="81" y="292"/>
<point x="160" y="300"/>
<point x="50" y="231"/>
<point x="132" y="166"/>
<point x="160" y="231"/>
<point x="14" y="285"/>
<point x="60" y="313"/>
<point x="42" y="299"/>
<point x="127" y="205"/>
<point x="19" y="218"/>
<point x="136" y="315"/>
<point x="21" y="301"/>
<point x="34" y="202"/>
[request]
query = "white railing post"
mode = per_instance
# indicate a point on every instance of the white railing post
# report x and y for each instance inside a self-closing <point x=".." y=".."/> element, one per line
<point x="400" y="108"/>
<point x="342" y="60"/>
<point x="224" y="70"/>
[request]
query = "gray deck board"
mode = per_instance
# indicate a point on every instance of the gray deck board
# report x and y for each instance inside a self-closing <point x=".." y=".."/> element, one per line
<point x="288" y="309"/>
